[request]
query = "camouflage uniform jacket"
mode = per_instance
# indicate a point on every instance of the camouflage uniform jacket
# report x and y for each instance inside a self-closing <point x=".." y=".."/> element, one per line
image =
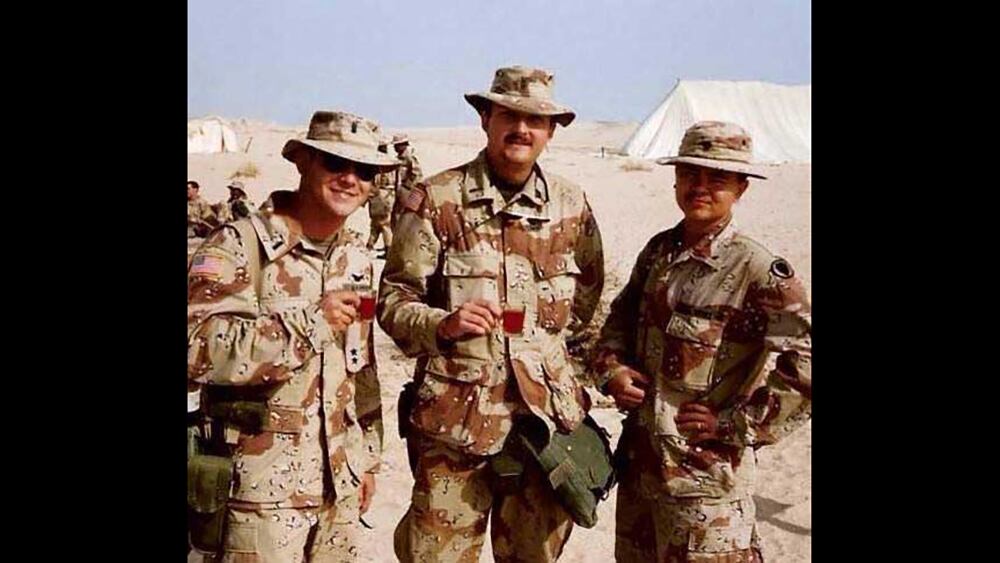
<point x="324" y="411"/>
<point x="701" y="324"/>
<point x="199" y="211"/>
<point x="458" y="241"/>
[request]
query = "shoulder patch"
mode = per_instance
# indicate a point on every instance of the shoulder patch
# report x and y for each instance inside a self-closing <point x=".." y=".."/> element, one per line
<point x="781" y="268"/>
<point x="415" y="198"/>
<point x="207" y="265"/>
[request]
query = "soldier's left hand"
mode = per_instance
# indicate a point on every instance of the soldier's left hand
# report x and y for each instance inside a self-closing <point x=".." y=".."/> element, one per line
<point x="698" y="422"/>
<point x="366" y="491"/>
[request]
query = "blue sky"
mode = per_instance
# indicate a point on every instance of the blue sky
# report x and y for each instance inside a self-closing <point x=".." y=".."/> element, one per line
<point x="407" y="63"/>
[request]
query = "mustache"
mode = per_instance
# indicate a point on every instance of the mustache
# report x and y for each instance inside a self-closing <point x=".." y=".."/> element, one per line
<point x="517" y="138"/>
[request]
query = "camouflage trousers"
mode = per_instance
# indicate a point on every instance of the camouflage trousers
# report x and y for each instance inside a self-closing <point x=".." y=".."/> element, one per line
<point x="325" y="534"/>
<point x="652" y="525"/>
<point x="454" y="496"/>
<point x="380" y="228"/>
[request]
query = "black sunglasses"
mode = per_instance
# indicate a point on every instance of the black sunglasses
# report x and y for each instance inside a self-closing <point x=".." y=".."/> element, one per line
<point x="337" y="165"/>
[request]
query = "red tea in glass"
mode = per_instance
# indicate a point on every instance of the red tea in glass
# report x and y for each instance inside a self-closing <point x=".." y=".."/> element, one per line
<point x="513" y="320"/>
<point x="366" y="310"/>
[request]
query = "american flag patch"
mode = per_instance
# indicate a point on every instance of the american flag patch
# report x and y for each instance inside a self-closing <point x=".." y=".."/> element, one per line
<point x="206" y="265"/>
<point x="413" y="199"/>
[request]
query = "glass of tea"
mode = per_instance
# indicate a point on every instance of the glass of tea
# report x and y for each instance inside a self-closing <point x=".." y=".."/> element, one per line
<point x="513" y="319"/>
<point x="366" y="310"/>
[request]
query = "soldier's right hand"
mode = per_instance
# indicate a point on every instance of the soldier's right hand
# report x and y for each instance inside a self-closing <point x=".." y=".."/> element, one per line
<point x="474" y="318"/>
<point x="340" y="308"/>
<point x="627" y="387"/>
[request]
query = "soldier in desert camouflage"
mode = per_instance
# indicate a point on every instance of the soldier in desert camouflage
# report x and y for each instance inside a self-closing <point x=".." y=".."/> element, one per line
<point x="200" y="217"/>
<point x="408" y="175"/>
<point x="685" y="351"/>
<point x="380" y="206"/>
<point x="283" y="331"/>
<point x="494" y="233"/>
<point x="237" y="206"/>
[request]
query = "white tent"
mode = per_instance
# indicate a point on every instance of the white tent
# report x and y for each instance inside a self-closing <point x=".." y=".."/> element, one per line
<point x="778" y="118"/>
<point x="211" y="135"/>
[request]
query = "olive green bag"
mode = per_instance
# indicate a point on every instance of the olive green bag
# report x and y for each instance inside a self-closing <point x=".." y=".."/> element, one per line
<point x="578" y="464"/>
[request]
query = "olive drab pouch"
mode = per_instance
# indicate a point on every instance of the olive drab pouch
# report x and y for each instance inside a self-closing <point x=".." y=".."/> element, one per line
<point x="209" y="480"/>
<point x="578" y="464"/>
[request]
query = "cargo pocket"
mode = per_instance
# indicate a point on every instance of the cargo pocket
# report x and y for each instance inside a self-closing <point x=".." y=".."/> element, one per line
<point x="470" y="276"/>
<point x="727" y="530"/>
<point x="691" y="345"/>
<point x="447" y="401"/>
<point x="241" y="537"/>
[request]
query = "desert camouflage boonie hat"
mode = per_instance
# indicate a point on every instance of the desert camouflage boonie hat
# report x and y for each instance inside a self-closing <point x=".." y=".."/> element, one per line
<point x="237" y="185"/>
<point x="718" y="145"/>
<point x="400" y="139"/>
<point x="345" y="135"/>
<point x="523" y="89"/>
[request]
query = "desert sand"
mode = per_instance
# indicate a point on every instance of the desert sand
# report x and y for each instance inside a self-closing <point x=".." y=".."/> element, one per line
<point x="632" y="201"/>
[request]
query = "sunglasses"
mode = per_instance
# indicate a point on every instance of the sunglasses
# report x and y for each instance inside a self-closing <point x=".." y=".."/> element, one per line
<point x="337" y="165"/>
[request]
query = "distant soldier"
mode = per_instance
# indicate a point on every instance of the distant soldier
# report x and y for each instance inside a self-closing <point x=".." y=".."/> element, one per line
<point x="237" y="206"/>
<point x="380" y="207"/>
<point x="407" y="175"/>
<point x="201" y="219"/>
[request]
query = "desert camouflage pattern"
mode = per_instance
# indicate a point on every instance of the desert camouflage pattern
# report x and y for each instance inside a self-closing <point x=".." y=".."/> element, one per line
<point x="652" y="525"/>
<point x="320" y="386"/>
<point x="454" y="497"/>
<point x="385" y="192"/>
<point x="380" y="204"/>
<point x="458" y="240"/>
<point x="408" y="175"/>
<point x="701" y="323"/>
<point x="410" y="172"/>
<point x="283" y="534"/>
<point x="199" y="213"/>
<point x="719" y="145"/>
<point x="717" y="140"/>
<point x="343" y="134"/>
<point x="524" y="89"/>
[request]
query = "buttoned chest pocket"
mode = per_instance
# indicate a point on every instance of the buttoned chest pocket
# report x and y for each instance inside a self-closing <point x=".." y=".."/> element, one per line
<point x="555" y="280"/>
<point x="470" y="276"/>
<point x="691" y="346"/>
